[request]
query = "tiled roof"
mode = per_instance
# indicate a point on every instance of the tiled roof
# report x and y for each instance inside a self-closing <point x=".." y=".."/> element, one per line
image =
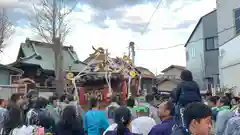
<point x="145" y="72"/>
<point x="160" y="81"/>
<point x="173" y="66"/>
<point x="16" y="70"/>
<point x="39" y="53"/>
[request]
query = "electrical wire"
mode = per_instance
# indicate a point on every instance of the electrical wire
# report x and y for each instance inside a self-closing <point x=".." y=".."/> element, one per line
<point x="151" y="17"/>
<point x="182" y="44"/>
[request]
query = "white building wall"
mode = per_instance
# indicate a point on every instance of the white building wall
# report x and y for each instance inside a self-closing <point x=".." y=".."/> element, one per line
<point x="229" y="63"/>
<point x="195" y="61"/>
<point x="225" y="18"/>
<point x="229" y="49"/>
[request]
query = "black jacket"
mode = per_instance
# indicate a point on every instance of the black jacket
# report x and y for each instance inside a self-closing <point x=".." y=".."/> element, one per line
<point x="75" y="128"/>
<point x="187" y="92"/>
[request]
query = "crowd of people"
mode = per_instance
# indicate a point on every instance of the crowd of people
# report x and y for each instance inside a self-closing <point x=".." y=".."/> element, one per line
<point x="184" y="113"/>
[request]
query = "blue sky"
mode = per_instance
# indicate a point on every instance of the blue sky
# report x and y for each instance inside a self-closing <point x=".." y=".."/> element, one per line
<point x="113" y="24"/>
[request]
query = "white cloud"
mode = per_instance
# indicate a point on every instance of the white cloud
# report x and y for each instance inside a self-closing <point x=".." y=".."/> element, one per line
<point x="116" y="40"/>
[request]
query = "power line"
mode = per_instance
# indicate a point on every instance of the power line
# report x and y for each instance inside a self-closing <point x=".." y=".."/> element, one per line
<point x="150" y="19"/>
<point x="182" y="44"/>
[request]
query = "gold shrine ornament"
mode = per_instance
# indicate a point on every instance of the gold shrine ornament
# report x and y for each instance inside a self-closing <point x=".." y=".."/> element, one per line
<point x="132" y="74"/>
<point x="69" y="75"/>
<point x="126" y="58"/>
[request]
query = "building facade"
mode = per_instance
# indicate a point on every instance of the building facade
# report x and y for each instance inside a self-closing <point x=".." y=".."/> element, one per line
<point x="202" y="52"/>
<point x="170" y="78"/>
<point x="228" y="17"/>
<point x="8" y="73"/>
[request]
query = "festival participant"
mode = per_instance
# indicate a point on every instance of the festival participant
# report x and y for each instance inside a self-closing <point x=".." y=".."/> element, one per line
<point x="143" y="119"/>
<point x="212" y="103"/>
<point x="3" y="112"/>
<point x="166" y="111"/>
<point x="223" y="114"/>
<point x="51" y="109"/>
<point x="233" y="124"/>
<point x="197" y="117"/>
<point x="187" y="92"/>
<point x="130" y="105"/>
<point x="69" y="123"/>
<point x="39" y="116"/>
<point x="15" y="114"/>
<point x="95" y="120"/>
<point x="74" y="102"/>
<point x="122" y="125"/>
<point x="152" y="110"/>
<point x="111" y="108"/>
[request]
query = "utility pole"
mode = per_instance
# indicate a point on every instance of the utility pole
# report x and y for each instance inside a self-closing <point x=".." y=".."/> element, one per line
<point x="132" y="51"/>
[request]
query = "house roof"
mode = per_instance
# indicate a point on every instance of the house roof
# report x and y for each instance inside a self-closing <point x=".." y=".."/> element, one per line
<point x="173" y="66"/>
<point x="39" y="53"/>
<point x="11" y="68"/>
<point x="195" y="28"/>
<point x="160" y="81"/>
<point x="145" y="72"/>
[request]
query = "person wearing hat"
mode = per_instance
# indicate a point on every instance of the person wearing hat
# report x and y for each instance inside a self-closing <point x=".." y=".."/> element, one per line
<point x="143" y="119"/>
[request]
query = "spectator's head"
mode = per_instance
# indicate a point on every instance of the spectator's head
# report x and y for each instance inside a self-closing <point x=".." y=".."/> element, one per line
<point x="69" y="116"/>
<point x="224" y="101"/>
<point x="212" y="101"/>
<point x="197" y="117"/>
<point x="186" y="75"/>
<point x="142" y="110"/>
<point x="123" y="119"/>
<point x="130" y="102"/>
<point x="166" y="110"/>
<point x="63" y="98"/>
<point x="93" y="103"/>
<point x="41" y="103"/>
<point x="16" y="97"/>
<point x="149" y="98"/>
<point x="53" y="100"/>
<point x="113" y="98"/>
<point x="70" y="98"/>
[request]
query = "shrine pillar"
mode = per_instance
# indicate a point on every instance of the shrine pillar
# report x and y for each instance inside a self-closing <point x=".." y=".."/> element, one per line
<point x="105" y="94"/>
<point x="81" y="95"/>
<point x="124" y="91"/>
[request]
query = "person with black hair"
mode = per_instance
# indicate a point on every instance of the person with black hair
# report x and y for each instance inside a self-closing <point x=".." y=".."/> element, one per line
<point x="39" y="115"/>
<point x="187" y="91"/>
<point x="152" y="110"/>
<point x="212" y="101"/>
<point x="69" y="123"/>
<point x="166" y="112"/>
<point x="222" y="113"/>
<point x="95" y="120"/>
<point x="111" y="108"/>
<point x="197" y="117"/>
<point x="122" y="125"/>
<point x="130" y="105"/>
<point x="51" y="109"/>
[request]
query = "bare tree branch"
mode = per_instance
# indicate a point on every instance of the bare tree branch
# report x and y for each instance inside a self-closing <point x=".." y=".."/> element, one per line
<point x="49" y="18"/>
<point x="6" y="27"/>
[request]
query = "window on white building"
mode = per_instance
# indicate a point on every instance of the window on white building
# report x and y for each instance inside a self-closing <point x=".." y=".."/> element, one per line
<point x="211" y="43"/>
<point x="237" y="20"/>
<point x="193" y="52"/>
